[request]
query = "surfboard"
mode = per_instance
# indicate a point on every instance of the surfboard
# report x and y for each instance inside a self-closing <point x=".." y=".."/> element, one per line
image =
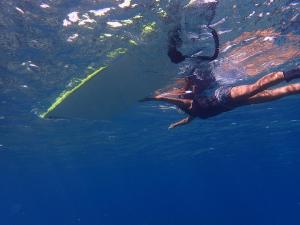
<point x="110" y="90"/>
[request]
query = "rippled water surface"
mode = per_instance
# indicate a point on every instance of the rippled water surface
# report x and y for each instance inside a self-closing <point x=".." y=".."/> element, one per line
<point x="238" y="168"/>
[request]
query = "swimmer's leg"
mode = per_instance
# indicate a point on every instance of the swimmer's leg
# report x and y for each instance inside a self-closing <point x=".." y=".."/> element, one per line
<point x="271" y="95"/>
<point x="244" y="92"/>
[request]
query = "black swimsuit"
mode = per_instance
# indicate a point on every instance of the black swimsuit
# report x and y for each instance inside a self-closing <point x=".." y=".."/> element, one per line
<point x="209" y="106"/>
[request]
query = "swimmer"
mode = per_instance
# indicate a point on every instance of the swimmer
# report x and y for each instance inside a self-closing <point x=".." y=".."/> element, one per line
<point x="200" y="78"/>
<point x="189" y="98"/>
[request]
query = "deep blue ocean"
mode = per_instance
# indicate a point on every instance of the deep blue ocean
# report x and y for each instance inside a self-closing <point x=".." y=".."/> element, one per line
<point x="238" y="168"/>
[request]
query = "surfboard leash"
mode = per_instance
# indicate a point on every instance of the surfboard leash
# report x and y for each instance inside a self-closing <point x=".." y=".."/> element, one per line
<point x="177" y="57"/>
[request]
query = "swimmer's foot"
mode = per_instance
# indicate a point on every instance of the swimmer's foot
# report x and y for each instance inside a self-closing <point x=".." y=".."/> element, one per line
<point x="292" y="74"/>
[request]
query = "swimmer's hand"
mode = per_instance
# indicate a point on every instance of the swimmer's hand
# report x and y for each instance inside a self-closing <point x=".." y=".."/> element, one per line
<point x="173" y="125"/>
<point x="181" y="122"/>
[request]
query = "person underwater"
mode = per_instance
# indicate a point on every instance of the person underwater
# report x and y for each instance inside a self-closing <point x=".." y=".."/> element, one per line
<point x="185" y="36"/>
<point x="189" y="96"/>
<point x="189" y="99"/>
<point x="188" y="93"/>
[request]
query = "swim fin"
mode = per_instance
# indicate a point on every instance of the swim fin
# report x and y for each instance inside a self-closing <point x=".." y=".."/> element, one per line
<point x="291" y="74"/>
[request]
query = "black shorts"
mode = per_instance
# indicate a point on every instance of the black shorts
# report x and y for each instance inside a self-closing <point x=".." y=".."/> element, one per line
<point x="223" y="95"/>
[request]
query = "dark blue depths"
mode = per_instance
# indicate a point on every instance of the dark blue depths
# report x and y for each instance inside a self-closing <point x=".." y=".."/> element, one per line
<point x="220" y="171"/>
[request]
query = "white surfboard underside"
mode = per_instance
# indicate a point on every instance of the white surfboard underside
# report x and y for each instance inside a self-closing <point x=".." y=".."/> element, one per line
<point x="131" y="77"/>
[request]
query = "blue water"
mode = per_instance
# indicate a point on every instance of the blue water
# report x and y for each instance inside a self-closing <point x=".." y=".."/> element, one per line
<point x="239" y="168"/>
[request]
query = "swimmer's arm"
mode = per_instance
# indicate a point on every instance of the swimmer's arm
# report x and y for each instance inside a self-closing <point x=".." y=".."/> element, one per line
<point x="182" y="122"/>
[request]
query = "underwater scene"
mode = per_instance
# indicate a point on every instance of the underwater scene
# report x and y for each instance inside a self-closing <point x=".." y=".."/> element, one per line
<point x="92" y="92"/>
